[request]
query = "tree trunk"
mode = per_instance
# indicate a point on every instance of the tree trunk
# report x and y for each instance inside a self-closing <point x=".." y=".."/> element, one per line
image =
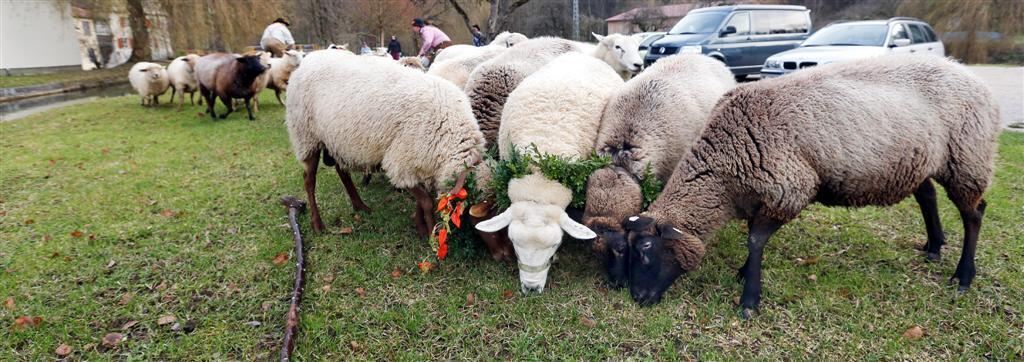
<point x="140" y="33"/>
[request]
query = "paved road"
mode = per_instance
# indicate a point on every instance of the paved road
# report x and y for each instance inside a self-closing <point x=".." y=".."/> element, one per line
<point x="1007" y="84"/>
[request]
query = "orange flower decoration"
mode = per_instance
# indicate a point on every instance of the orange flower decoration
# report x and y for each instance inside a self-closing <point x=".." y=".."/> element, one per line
<point x="442" y="203"/>
<point x="442" y="244"/>
<point x="424" y="266"/>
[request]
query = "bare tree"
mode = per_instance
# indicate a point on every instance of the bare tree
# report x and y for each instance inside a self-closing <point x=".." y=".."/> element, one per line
<point x="649" y="19"/>
<point x="140" y="31"/>
<point x="500" y="13"/>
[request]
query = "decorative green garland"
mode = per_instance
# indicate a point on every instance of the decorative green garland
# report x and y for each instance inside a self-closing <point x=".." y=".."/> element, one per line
<point x="571" y="173"/>
<point x="650" y="186"/>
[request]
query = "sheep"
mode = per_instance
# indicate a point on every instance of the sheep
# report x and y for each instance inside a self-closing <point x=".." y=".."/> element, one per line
<point x="865" y="132"/>
<point x="457" y="69"/>
<point x="412" y="62"/>
<point x="181" y="74"/>
<point x="365" y="112"/>
<point x="556" y="110"/>
<point x="149" y="80"/>
<point x="650" y="122"/>
<point x="228" y="76"/>
<point x="501" y="41"/>
<point x="491" y="82"/>
<point x="281" y="70"/>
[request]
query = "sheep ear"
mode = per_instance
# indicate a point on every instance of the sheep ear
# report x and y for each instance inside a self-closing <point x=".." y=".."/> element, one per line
<point x="670" y="232"/>
<point x="344" y="46"/>
<point x="240" y="59"/>
<point x="598" y="37"/>
<point x="496" y="223"/>
<point x="574" y="228"/>
<point x="688" y="251"/>
<point x="637" y="223"/>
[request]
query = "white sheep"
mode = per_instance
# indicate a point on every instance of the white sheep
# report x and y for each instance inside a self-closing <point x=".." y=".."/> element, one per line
<point x="181" y="74"/>
<point x="149" y="80"/>
<point x="502" y="41"/>
<point x="622" y="52"/>
<point x="365" y="112"/>
<point x="557" y="110"/>
<point x="457" y="69"/>
<point x="507" y="39"/>
<point x="652" y="121"/>
<point x="281" y="70"/>
<point x="412" y="62"/>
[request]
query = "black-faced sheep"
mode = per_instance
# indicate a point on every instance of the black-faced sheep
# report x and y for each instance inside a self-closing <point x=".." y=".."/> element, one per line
<point x="149" y="80"/>
<point x="864" y="132"/>
<point x="650" y="122"/>
<point x="227" y="76"/>
<point x="417" y="128"/>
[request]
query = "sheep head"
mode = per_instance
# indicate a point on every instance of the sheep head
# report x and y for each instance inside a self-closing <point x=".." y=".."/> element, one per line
<point x="624" y="50"/>
<point x="535" y="223"/>
<point x="612" y="195"/>
<point x="253" y="65"/>
<point x="658" y="255"/>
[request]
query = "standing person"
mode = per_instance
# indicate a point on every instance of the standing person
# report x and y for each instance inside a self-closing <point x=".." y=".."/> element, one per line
<point x="433" y="39"/>
<point x="277" y="38"/>
<point x="478" y="36"/>
<point x="395" y="48"/>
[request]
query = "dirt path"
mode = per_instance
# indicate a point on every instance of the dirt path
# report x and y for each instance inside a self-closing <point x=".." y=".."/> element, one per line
<point x="1007" y="83"/>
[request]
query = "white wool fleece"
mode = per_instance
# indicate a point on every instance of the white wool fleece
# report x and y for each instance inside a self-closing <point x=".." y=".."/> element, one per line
<point x="369" y="111"/>
<point x="456" y="69"/>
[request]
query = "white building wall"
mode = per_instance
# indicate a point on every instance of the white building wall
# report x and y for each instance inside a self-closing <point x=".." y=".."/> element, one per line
<point x="36" y="34"/>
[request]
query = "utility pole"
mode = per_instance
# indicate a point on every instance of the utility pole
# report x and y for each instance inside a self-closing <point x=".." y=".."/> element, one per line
<point x="576" y="20"/>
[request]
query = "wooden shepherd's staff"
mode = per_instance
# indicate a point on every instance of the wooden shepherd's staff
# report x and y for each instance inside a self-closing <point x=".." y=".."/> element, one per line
<point x="295" y="206"/>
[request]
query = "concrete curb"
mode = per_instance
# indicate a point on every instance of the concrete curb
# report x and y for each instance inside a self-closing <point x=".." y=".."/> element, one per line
<point x="32" y="91"/>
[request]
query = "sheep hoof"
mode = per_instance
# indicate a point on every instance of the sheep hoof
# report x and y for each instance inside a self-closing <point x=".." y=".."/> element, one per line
<point x="933" y="257"/>
<point x="363" y="208"/>
<point x="748" y="313"/>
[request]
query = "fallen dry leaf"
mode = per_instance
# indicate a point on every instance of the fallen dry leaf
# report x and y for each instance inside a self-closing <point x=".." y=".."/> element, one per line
<point x="280" y="258"/>
<point x="328" y="278"/>
<point x="914" y="333"/>
<point x="811" y="260"/>
<point x="507" y="294"/>
<point x="167" y="213"/>
<point x="326" y="288"/>
<point x="346" y="230"/>
<point x="128" y="325"/>
<point x="112" y="339"/>
<point x="355" y="346"/>
<point x="27" y="322"/>
<point x="111" y="263"/>
<point x="63" y="350"/>
<point x="396" y="273"/>
<point x="165" y="320"/>
<point x="266" y="306"/>
<point x="470" y="299"/>
<point x="29" y="222"/>
<point x="105" y="150"/>
<point x="9" y="303"/>
<point x="76" y="234"/>
<point x="812" y="278"/>
<point x="590" y="323"/>
<point x="361" y="292"/>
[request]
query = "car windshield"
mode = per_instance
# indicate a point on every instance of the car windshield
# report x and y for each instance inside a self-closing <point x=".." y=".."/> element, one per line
<point x="698" y="23"/>
<point x="849" y="34"/>
<point x="647" y="42"/>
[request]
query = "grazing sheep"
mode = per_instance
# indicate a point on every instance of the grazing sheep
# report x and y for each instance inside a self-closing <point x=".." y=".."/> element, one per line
<point x="365" y="112"/>
<point x="858" y="133"/>
<point x="281" y="71"/>
<point x="457" y="69"/>
<point x="650" y="122"/>
<point x="149" y="80"/>
<point x="228" y="76"/>
<point x="412" y="62"/>
<point x="181" y="74"/>
<point x="557" y="110"/>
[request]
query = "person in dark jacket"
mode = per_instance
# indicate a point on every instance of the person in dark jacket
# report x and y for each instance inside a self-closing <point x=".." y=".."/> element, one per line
<point x="479" y="39"/>
<point x="395" y="48"/>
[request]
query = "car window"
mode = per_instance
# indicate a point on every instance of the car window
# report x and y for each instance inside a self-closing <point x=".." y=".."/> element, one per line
<point x="741" y="21"/>
<point x="928" y="32"/>
<point x="917" y="34"/>
<point x="780" y="22"/>
<point x="899" y="32"/>
<point x="698" y="23"/>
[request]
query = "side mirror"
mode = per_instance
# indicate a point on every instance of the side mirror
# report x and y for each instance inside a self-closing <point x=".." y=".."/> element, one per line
<point x="728" y="30"/>
<point x="900" y="43"/>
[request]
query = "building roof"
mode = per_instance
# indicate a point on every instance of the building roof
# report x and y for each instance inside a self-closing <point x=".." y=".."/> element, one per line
<point x="666" y="11"/>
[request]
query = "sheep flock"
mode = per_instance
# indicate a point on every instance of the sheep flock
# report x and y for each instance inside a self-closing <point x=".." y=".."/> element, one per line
<point x="868" y="132"/>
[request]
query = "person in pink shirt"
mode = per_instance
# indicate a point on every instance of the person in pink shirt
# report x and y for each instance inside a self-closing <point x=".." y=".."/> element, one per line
<point x="433" y="39"/>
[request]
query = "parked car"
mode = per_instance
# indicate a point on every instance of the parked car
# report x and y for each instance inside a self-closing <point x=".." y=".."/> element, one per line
<point x="854" y="40"/>
<point x="645" y="43"/>
<point x="741" y="36"/>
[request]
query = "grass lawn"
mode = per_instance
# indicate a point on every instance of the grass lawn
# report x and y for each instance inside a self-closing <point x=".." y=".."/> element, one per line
<point x="113" y="216"/>
<point x="65" y="77"/>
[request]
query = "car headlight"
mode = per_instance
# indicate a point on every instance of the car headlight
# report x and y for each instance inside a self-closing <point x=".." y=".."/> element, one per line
<point x="691" y="49"/>
<point x="771" y="64"/>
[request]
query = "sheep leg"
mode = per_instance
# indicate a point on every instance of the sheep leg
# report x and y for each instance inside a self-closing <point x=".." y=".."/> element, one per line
<point x="181" y="97"/>
<point x="248" y="108"/>
<point x="761" y="228"/>
<point x="424" y="211"/>
<point x="173" y="90"/>
<point x="227" y="104"/>
<point x="210" y="100"/>
<point x="277" y="93"/>
<point x="965" y="269"/>
<point x="367" y="177"/>
<point x="925" y="196"/>
<point x="350" y="188"/>
<point x="310" y="165"/>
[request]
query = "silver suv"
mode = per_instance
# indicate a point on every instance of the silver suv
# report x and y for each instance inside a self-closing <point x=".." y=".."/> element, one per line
<point x="854" y="40"/>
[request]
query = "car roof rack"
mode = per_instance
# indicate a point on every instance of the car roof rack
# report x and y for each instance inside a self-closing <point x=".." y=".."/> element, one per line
<point x="905" y="18"/>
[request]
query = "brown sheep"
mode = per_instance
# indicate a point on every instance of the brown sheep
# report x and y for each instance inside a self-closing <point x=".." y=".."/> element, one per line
<point x="227" y="76"/>
<point x="865" y="132"/>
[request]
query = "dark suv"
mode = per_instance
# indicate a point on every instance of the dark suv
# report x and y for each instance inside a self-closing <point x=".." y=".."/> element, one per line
<point x="741" y="36"/>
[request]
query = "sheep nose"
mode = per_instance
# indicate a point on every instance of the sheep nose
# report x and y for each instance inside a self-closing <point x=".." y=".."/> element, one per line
<point x="527" y="289"/>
